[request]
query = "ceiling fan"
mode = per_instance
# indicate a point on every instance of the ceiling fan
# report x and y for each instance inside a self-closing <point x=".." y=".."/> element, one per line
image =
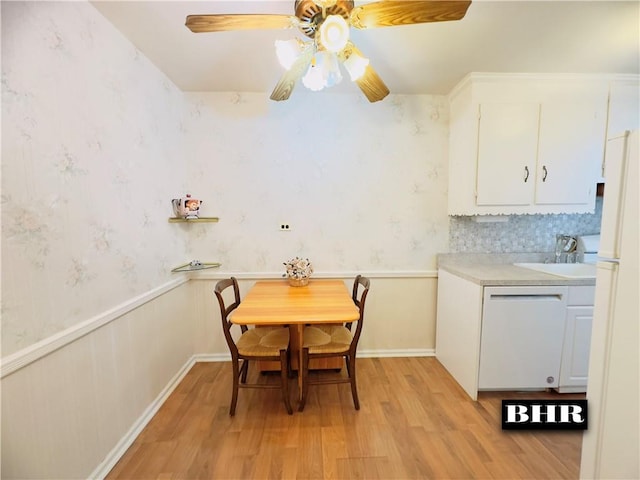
<point x="326" y="24"/>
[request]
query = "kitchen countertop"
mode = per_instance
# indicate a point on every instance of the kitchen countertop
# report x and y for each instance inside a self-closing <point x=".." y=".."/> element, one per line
<point x="498" y="270"/>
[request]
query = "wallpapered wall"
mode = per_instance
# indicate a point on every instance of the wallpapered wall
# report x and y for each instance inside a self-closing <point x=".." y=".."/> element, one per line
<point x="362" y="185"/>
<point x="91" y="152"/>
<point x="96" y="141"/>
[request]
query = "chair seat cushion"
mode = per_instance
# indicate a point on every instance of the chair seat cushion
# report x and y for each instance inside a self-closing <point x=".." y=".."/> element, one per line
<point x="327" y="338"/>
<point x="263" y="342"/>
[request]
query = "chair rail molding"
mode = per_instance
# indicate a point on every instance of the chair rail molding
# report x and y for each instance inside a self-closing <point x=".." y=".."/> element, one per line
<point x="320" y="275"/>
<point x="30" y="354"/>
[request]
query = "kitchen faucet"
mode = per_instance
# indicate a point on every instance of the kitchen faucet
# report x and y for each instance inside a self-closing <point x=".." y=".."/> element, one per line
<point x="565" y="244"/>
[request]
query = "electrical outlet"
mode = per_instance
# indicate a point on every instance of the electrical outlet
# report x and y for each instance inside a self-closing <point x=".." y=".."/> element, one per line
<point x="285" y="227"/>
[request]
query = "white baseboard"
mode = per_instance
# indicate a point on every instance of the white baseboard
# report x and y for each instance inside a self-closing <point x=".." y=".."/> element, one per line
<point x="212" y="357"/>
<point x="394" y="353"/>
<point x="397" y="353"/>
<point x="125" y="442"/>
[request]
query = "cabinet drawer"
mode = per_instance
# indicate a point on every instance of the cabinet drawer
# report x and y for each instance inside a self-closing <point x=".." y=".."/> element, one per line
<point x="581" y="295"/>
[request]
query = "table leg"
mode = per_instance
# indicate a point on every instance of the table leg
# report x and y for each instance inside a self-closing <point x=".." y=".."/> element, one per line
<point x="300" y="329"/>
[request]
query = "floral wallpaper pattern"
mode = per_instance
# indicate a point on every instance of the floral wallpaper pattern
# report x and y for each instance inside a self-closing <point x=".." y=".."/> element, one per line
<point x="363" y="185"/>
<point x="91" y="154"/>
<point x="96" y="141"/>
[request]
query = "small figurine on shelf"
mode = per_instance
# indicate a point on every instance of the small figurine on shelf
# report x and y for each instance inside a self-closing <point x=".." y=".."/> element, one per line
<point x="186" y="207"/>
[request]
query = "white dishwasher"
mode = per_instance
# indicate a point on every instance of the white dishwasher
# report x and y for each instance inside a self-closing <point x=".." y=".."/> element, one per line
<point x="522" y="336"/>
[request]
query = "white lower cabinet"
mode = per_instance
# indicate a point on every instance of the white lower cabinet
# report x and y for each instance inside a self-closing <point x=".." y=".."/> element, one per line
<point x="574" y="366"/>
<point x="514" y="337"/>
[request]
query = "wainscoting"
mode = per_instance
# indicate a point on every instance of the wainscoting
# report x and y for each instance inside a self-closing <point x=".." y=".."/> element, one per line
<point x="73" y="404"/>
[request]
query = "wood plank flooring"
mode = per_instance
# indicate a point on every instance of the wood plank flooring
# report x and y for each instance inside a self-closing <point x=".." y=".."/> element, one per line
<point x="415" y="422"/>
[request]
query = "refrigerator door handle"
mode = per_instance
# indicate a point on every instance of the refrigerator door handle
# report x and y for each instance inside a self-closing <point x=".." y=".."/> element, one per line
<point x="608" y="260"/>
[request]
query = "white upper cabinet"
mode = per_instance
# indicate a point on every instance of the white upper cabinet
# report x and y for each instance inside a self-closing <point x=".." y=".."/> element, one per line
<point x="624" y="106"/>
<point x="526" y="144"/>
<point x="570" y="151"/>
<point x="507" y="146"/>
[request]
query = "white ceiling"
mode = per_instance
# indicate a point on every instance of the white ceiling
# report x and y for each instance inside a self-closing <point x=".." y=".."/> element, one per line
<point x="494" y="36"/>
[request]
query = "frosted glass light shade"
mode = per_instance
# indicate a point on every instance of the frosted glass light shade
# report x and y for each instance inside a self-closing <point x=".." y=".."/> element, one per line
<point x="313" y="78"/>
<point x="356" y="65"/>
<point x="288" y="51"/>
<point x="334" y="33"/>
<point x="330" y="68"/>
<point x="324" y="72"/>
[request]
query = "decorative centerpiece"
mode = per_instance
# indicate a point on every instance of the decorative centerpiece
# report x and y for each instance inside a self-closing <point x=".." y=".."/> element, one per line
<point x="298" y="271"/>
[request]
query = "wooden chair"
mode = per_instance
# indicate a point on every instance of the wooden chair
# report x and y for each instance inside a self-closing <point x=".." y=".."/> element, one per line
<point x="268" y="343"/>
<point x="335" y="340"/>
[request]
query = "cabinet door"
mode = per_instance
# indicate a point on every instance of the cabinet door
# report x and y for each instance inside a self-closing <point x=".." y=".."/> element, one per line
<point x="624" y="114"/>
<point x="570" y="152"/>
<point x="507" y="149"/>
<point x="574" y="367"/>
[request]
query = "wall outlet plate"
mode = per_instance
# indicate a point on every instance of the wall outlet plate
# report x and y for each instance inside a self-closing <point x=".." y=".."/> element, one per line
<point x="285" y="226"/>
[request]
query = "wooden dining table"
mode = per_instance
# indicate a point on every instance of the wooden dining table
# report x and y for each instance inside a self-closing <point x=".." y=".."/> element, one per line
<point x="275" y="302"/>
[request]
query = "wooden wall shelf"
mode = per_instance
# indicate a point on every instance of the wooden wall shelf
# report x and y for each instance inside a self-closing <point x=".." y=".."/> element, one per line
<point x="193" y="220"/>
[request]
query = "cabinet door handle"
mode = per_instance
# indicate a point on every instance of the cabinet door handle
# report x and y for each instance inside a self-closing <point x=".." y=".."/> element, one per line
<point x="526" y="174"/>
<point x="544" y="173"/>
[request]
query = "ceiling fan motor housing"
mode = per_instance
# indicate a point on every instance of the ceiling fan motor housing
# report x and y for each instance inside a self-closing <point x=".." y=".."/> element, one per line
<point x="310" y="14"/>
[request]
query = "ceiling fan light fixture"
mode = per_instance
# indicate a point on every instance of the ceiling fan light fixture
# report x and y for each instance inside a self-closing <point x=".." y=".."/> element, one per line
<point x="334" y="33"/>
<point x="326" y="24"/>
<point x="288" y="51"/>
<point x="330" y="68"/>
<point x="324" y="72"/>
<point x="313" y="79"/>
<point x="356" y="65"/>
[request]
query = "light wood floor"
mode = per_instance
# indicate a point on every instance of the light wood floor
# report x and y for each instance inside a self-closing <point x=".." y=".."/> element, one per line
<point x="415" y="422"/>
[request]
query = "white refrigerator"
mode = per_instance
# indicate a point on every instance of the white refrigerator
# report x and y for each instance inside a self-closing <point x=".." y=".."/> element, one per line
<point x="611" y="445"/>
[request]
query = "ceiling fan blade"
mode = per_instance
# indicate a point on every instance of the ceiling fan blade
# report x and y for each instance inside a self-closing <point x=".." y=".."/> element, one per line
<point x="287" y="82"/>
<point x="223" y="23"/>
<point x="370" y="82"/>
<point x="406" y="12"/>
<point x="372" y="85"/>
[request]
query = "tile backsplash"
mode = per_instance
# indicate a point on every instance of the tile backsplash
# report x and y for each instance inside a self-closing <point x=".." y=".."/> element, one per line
<point x="521" y="233"/>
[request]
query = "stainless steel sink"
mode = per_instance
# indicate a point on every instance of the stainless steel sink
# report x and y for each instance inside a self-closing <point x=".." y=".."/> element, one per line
<point x="566" y="270"/>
